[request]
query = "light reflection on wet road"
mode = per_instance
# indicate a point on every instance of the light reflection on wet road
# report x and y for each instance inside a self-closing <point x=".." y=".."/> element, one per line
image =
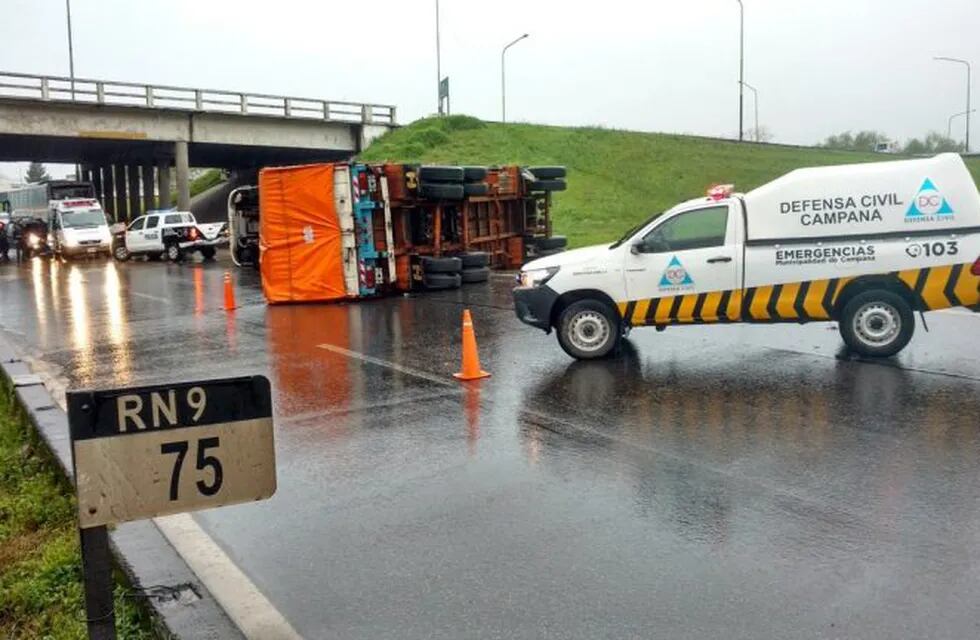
<point x="738" y="482"/>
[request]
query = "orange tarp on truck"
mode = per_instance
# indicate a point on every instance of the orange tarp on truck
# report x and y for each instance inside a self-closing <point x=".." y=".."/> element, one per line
<point x="299" y="235"/>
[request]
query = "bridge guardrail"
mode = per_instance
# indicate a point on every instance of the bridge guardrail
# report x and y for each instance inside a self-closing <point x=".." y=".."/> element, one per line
<point x="105" y="92"/>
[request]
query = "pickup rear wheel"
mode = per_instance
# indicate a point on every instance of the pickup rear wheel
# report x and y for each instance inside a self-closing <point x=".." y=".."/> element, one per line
<point x="588" y="329"/>
<point x="877" y="323"/>
<point x="120" y="252"/>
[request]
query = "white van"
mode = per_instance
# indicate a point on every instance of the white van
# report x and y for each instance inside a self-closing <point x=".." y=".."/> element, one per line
<point x="78" y="227"/>
<point x="865" y="245"/>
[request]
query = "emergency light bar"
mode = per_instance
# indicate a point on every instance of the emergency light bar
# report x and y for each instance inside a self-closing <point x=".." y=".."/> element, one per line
<point x="79" y="203"/>
<point x="720" y="191"/>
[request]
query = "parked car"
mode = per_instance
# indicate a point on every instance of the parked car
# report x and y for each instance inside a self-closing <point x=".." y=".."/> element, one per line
<point x="167" y="234"/>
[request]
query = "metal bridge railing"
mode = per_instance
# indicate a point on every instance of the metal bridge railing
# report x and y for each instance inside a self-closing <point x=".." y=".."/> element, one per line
<point x="103" y="92"/>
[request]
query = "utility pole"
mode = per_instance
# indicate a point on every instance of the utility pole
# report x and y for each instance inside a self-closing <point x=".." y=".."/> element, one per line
<point x="969" y="73"/>
<point x="741" y="68"/>
<point x="949" y="123"/>
<point x="503" y="78"/>
<point x="438" y="62"/>
<point x="755" y="103"/>
<point x="71" y="50"/>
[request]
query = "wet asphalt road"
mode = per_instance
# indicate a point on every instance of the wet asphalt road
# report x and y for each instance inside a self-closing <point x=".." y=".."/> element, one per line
<point x="726" y="481"/>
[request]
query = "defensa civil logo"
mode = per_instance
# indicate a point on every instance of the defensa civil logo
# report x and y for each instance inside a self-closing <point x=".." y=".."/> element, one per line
<point x="929" y="205"/>
<point x="675" y="276"/>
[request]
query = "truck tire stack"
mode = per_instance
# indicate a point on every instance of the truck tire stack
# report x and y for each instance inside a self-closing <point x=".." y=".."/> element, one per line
<point x="441" y="183"/>
<point x="476" y="267"/>
<point x="474" y="181"/>
<point x="441" y="273"/>
<point x="545" y="179"/>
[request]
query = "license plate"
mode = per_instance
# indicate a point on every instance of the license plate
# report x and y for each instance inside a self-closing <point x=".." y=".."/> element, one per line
<point x="91" y="250"/>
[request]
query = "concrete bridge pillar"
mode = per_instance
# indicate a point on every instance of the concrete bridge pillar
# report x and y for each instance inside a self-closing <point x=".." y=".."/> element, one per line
<point x="119" y="180"/>
<point x="108" y="192"/>
<point x="183" y="176"/>
<point x="147" y="173"/>
<point x="86" y="173"/>
<point x="133" y="182"/>
<point x="163" y="184"/>
<point x="96" y="176"/>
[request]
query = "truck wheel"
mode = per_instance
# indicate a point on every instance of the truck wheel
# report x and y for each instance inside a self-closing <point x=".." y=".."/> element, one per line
<point x="554" y="242"/>
<point x="547" y="185"/>
<point x="208" y="253"/>
<point x="476" y="189"/>
<point x="441" y="174"/>
<point x="121" y="253"/>
<point x="475" y="274"/>
<point x="442" y="191"/>
<point x="547" y="173"/>
<point x="173" y="252"/>
<point x="441" y="265"/>
<point x="439" y="281"/>
<point x="474" y="259"/>
<point x="877" y="323"/>
<point x="588" y="329"/>
<point x="474" y="174"/>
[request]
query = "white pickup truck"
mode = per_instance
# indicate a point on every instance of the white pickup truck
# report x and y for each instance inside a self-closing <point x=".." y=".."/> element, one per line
<point x="865" y="245"/>
<point x="167" y="234"/>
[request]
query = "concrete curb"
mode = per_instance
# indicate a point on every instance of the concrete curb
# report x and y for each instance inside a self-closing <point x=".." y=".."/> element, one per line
<point x="183" y="607"/>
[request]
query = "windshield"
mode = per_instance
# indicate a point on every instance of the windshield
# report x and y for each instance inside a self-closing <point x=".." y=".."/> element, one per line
<point x="67" y="192"/>
<point x="78" y="219"/>
<point x="634" y="229"/>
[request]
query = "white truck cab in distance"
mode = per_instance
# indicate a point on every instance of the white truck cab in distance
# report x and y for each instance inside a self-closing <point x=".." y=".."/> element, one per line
<point x="78" y="227"/>
<point x="865" y="245"/>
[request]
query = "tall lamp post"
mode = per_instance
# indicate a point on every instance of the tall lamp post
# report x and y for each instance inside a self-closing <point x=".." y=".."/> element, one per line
<point x="967" y="112"/>
<point x="503" y="78"/>
<point x="755" y="102"/>
<point x="741" y="67"/>
<point x="438" y="62"/>
<point x="71" y="50"/>
<point x="949" y="122"/>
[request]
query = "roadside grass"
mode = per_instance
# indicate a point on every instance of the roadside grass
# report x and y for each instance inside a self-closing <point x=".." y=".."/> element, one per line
<point x="615" y="178"/>
<point x="40" y="566"/>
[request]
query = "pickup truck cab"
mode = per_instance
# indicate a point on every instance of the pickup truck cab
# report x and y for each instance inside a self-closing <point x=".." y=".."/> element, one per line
<point x="167" y="234"/>
<point x="865" y="245"/>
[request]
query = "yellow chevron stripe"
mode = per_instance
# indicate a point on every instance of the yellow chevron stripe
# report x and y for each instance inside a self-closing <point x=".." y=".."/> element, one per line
<point x="759" y="303"/>
<point x="932" y="293"/>
<point x="787" y="298"/>
<point x="734" y="311"/>
<point x="640" y="312"/>
<point x="686" y="311"/>
<point x="840" y="287"/>
<point x="813" y="304"/>
<point x="622" y="308"/>
<point x="909" y="276"/>
<point x="967" y="287"/>
<point x="709" y="312"/>
<point x="663" y="309"/>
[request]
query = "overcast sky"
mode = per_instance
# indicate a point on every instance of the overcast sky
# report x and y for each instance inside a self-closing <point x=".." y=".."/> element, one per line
<point x="821" y="66"/>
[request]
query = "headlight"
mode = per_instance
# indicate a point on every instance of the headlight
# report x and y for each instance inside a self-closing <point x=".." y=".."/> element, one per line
<point x="33" y="241"/>
<point x="71" y="241"/>
<point x="536" y="277"/>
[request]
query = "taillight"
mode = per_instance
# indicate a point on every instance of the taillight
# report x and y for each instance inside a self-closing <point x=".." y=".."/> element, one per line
<point x="975" y="269"/>
<point x="192" y="234"/>
<point x="362" y="181"/>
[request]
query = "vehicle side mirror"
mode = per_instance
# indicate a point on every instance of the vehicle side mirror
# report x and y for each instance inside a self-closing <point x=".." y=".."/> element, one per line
<point x="637" y="247"/>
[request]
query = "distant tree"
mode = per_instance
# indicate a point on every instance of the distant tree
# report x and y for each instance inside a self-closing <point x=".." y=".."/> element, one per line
<point x="762" y="135"/>
<point x="934" y="142"/>
<point x="36" y="173"/>
<point x="860" y="141"/>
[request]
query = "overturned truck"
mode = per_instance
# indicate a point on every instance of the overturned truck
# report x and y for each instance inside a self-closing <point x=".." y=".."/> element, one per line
<point x="348" y="230"/>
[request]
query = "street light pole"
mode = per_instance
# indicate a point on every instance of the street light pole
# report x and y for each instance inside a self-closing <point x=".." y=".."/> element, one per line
<point x="969" y="73"/>
<point x="755" y="102"/>
<point x="741" y="67"/>
<point x="949" y="122"/>
<point x="71" y="50"/>
<point x="438" y="62"/>
<point x="503" y="78"/>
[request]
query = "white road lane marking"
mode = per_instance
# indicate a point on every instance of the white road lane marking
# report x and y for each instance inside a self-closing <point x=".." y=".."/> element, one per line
<point x="418" y="373"/>
<point x="148" y="296"/>
<point x="251" y="611"/>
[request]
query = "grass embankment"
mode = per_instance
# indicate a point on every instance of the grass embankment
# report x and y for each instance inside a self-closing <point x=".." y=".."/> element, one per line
<point x="40" y="565"/>
<point x="615" y="178"/>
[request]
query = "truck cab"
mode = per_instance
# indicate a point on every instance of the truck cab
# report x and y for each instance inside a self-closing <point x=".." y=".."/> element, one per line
<point x="78" y="227"/>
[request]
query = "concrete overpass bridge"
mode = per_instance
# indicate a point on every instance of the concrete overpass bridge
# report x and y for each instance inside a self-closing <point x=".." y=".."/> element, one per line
<point x="128" y="137"/>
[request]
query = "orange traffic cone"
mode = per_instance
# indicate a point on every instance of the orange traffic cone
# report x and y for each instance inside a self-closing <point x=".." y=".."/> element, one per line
<point x="229" y="293"/>
<point x="471" y="359"/>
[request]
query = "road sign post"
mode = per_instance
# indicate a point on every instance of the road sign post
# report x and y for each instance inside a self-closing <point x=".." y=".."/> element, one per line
<point x="157" y="450"/>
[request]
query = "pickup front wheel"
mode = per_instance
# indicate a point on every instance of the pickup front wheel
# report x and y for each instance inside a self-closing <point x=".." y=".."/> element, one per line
<point x="120" y="252"/>
<point x="173" y="252"/>
<point x="588" y="329"/>
<point x="877" y="323"/>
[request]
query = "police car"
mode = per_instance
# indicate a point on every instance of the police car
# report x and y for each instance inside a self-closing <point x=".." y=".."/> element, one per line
<point x="865" y="245"/>
<point x="167" y="234"/>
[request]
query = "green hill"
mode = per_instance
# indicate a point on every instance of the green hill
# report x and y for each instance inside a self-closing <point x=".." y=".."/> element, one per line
<point x="615" y="178"/>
